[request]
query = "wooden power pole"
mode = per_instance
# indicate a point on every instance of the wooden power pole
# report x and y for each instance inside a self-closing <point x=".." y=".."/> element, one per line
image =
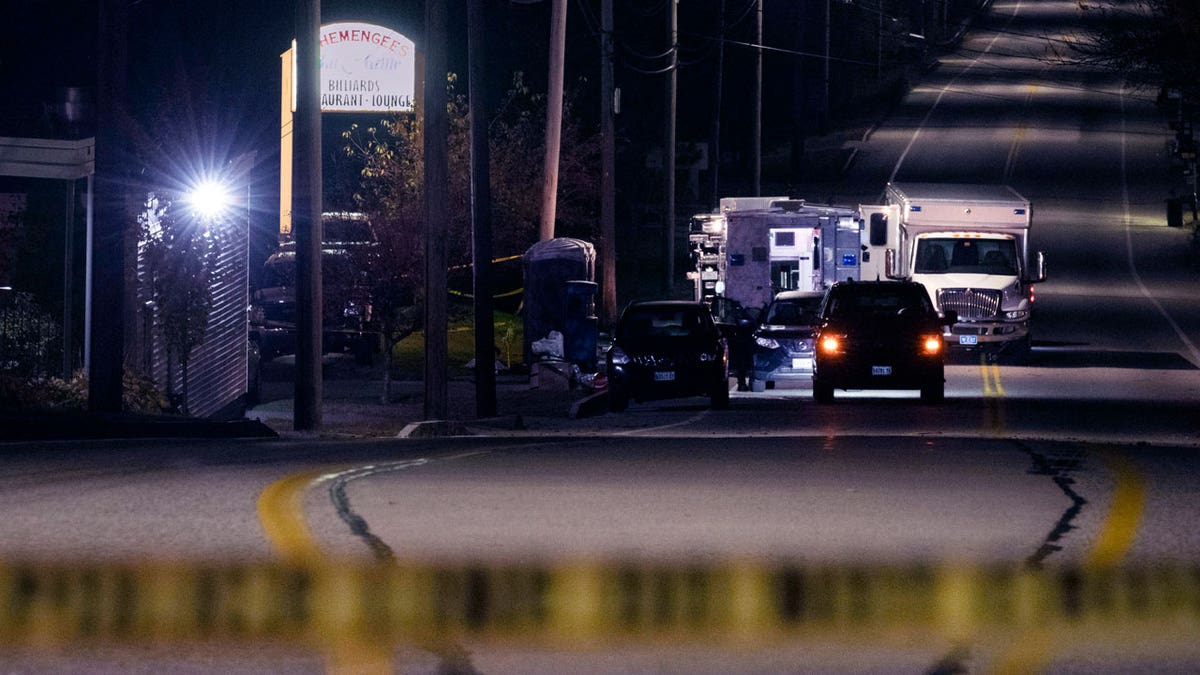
<point x="437" y="174"/>
<point x="481" y="212"/>
<point x="608" y="218"/>
<point x="306" y="218"/>
<point x="554" y="103"/>
<point x="106" y="367"/>
<point x="669" y="140"/>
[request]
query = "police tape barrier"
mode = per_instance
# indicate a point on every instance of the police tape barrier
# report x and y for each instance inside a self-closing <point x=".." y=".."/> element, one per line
<point x="586" y="603"/>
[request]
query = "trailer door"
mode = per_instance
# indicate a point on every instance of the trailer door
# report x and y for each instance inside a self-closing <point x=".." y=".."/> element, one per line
<point x="881" y="227"/>
<point x="791" y="258"/>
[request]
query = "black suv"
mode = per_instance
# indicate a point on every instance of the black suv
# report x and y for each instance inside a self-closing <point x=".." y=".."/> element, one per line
<point x="667" y="349"/>
<point x="880" y="335"/>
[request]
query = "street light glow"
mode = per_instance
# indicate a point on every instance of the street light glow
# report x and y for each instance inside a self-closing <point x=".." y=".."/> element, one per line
<point x="209" y="199"/>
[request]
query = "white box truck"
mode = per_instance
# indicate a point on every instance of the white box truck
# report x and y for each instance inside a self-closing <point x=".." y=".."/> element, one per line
<point x="969" y="245"/>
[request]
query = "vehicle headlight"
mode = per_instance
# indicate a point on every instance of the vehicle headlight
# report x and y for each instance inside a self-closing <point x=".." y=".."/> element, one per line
<point x="931" y="344"/>
<point x="1014" y="293"/>
<point x="766" y="342"/>
<point x="618" y="356"/>
<point x="1017" y="314"/>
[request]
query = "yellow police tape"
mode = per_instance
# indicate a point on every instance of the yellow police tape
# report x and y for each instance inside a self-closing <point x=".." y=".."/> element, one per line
<point x="585" y="603"/>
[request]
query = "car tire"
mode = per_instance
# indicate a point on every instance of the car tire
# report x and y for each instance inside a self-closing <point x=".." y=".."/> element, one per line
<point x="933" y="392"/>
<point x="758" y="385"/>
<point x="719" y="400"/>
<point x="364" y="351"/>
<point x="1018" y="352"/>
<point x="617" y="401"/>
<point x="822" y="391"/>
<point x="253" y="373"/>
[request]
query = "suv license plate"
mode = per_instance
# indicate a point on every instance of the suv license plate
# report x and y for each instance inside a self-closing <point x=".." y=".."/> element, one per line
<point x="881" y="370"/>
<point x="664" y="376"/>
<point x="968" y="339"/>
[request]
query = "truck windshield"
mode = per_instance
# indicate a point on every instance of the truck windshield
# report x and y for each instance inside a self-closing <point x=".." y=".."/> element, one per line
<point x="969" y="256"/>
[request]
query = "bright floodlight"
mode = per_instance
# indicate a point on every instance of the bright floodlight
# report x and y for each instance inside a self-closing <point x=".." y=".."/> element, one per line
<point x="209" y="199"/>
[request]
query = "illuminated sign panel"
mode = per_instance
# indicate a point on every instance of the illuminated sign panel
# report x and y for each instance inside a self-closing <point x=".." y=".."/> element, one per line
<point x="366" y="68"/>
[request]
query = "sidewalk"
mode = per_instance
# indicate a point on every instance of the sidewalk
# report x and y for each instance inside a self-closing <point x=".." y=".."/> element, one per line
<point x="352" y="406"/>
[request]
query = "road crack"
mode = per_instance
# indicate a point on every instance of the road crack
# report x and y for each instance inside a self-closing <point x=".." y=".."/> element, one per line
<point x="1059" y="468"/>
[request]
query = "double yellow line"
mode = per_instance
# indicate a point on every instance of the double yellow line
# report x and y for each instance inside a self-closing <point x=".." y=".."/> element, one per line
<point x="993" y="392"/>
<point x="992" y="386"/>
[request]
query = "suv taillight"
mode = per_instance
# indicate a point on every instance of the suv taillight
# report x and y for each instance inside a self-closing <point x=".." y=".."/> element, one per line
<point x="931" y="344"/>
<point x="831" y="344"/>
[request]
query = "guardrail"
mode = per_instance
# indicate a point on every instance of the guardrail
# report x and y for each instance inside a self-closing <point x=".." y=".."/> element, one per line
<point x="585" y="604"/>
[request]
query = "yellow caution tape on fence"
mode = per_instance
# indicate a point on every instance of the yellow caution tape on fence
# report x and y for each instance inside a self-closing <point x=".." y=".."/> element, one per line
<point x="585" y="603"/>
<point x="506" y="294"/>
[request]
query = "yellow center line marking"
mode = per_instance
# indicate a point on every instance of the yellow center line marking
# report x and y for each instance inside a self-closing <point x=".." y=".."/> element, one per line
<point x="993" y="391"/>
<point x="281" y="514"/>
<point x="1120" y="527"/>
<point x="991" y="378"/>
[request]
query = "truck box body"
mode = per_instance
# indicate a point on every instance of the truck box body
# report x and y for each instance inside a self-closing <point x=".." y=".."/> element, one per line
<point x="758" y="246"/>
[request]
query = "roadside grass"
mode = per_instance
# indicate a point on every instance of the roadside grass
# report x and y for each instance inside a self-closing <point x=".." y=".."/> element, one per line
<point x="408" y="358"/>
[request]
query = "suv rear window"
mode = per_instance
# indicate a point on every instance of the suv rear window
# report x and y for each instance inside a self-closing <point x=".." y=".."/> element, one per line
<point x="864" y="299"/>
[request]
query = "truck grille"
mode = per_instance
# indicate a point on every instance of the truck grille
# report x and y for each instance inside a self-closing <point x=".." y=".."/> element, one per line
<point x="970" y="303"/>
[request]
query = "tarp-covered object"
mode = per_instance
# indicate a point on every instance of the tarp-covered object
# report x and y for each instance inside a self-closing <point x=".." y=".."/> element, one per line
<point x="548" y="266"/>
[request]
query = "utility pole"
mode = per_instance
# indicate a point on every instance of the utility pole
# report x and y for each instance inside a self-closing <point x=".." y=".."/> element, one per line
<point x="758" y="88"/>
<point x="879" y="46"/>
<point x="106" y="368"/>
<point x="436" y="133"/>
<point x="714" y="158"/>
<point x="554" y="100"/>
<point x="825" y="71"/>
<point x="608" y="218"/>
<point x="669" y="141"/>
<point x="481" y="213"/>
<point x="306" y="218"/>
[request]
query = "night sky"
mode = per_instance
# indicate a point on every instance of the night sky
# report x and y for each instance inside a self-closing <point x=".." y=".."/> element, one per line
<point x="204" y="74"/>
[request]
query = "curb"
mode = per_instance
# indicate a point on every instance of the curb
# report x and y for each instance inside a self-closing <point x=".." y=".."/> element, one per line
<point x="590" y="406"/>
<point x="434" y="429"/>
<point x="74" y="425"/>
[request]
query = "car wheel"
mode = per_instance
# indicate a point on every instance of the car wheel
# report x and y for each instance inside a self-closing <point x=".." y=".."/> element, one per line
<point x="933" y="392"/>
<point x="1018" y="352"/>
<point x="364" y="350"/>
<point x="720" y="397"/>
<point x="822" y="391"/>
<point x="253" y="373"/>
<point x="758" y="385"/>
<point x="617" y="401"/>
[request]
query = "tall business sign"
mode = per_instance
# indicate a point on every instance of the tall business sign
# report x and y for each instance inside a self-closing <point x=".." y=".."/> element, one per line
<point x="365" y="68"/>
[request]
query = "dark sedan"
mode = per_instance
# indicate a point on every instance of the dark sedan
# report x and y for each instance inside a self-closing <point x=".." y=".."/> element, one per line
<point x="667" y="349"/>
<point x="880" y="335"/>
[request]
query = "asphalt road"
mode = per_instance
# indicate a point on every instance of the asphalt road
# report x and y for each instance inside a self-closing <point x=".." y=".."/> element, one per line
<point x="1085" y="456"/>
